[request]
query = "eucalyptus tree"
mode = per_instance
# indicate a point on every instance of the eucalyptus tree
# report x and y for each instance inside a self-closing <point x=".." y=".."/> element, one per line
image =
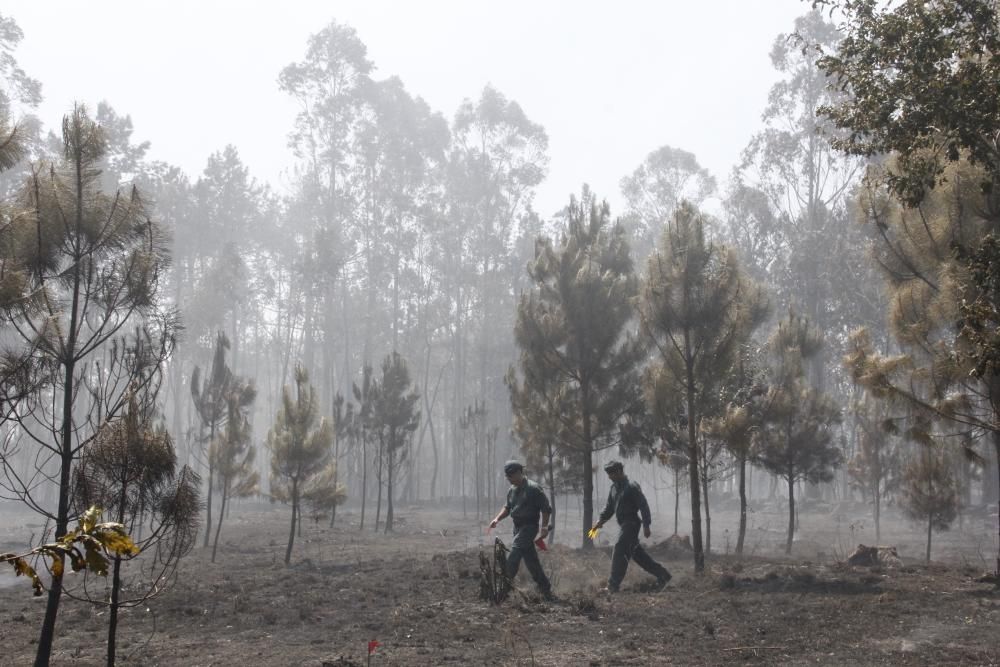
<point x="656" y="188"/>
<point x="299" y="443"/>
<point x="797" y="438"/>
<point x="497" y="157"/>
<point x="807" y="181"/>
<point x="329" y="86"/>
<point x="574" y="325"/>
<point x="94" y="260"/>
<point x="695" y="308"/>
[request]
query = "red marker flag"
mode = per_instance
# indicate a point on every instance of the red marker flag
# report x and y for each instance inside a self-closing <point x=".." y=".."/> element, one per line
<point x="540" y="543"/>
<point x="372" y="645"/>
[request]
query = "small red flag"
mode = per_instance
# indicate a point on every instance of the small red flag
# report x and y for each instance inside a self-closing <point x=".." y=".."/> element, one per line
<point x="540" y="543"/>
<point x="372" y="645"/>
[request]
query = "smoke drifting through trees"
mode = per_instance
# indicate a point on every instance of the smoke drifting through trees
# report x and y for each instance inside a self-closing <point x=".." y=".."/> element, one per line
<point x="410" y="237"/>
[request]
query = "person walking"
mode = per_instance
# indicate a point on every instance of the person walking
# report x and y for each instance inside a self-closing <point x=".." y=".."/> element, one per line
<point x="628" y="505"/>
<point x="526" y="503"/>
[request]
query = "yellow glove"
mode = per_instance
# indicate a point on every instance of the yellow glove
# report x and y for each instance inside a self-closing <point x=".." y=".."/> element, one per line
<point x="592" y="533"/>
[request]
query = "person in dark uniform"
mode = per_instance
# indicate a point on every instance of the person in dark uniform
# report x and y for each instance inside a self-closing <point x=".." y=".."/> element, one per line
<point x="627" y="503"/>
<point x="526" y="501"/>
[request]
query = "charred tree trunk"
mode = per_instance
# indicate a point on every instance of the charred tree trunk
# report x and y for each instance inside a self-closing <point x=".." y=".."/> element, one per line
<point x="218" y="526"/>
<point x="208" y="500"/>
<point x="743" y="504"/>
<point x="677" y="498"/>
<point x="696" y="543"/>
<point x="791" y="512"/>
<point x="388" y="497"/>
<point x="930" y="530"/>
<point x="295" y="512"/>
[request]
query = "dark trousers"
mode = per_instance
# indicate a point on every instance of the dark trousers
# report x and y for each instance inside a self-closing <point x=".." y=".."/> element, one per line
<point x="523" y="548"/>
<point x="628" y="548"/>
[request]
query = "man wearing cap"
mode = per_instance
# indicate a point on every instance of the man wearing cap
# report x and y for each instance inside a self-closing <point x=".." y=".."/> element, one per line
<point x="627" y="503"/>
<point x="525" y="502"/>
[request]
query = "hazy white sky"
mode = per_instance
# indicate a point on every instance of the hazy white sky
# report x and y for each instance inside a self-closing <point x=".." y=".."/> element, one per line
<point x="610" y="82"/>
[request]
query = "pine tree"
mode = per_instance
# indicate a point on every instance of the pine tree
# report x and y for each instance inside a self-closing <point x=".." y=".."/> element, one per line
<point x="797" y="436"/>
<point x="211" y="400"/>
<point x="93" y="261"/>
<point x="696" y="308"/>
<point x="232" y="454"/>
<point x="574" y="324"/>
<point x="918" y="80"/>
<point x="300" y="450"/>
<point x="131" y="472"/>
<point x="738" y="427"/>
<point x="395" y="417"/>
<point x="929" y="492"/>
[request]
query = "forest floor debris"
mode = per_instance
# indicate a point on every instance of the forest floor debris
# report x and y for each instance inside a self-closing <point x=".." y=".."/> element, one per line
<point x="418" y="596"/>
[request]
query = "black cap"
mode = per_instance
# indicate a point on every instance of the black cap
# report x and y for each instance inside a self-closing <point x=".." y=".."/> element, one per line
<point x="612" y="466"/>
<point x="511" y="467"/>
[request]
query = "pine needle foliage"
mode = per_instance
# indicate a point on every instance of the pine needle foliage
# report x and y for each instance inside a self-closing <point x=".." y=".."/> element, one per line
<point x="131" y="470"/>
<point x="797" y="440"/>
<point x="91" y="263"/>
<point x="300" y="445"/>
<point x="929" y="491"/>
<point x="395" y="418"/>
<point x="696" y="309"/>
<point x="232" y="454"/>
<point x="575" y="345"/>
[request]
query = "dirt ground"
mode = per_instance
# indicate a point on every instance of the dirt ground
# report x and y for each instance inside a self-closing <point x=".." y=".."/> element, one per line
<point x="416" y="593"/>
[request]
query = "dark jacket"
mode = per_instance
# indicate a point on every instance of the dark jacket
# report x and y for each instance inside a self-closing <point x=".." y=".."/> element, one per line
<point x="525" y="503"/>
<point x="626" y="502"/>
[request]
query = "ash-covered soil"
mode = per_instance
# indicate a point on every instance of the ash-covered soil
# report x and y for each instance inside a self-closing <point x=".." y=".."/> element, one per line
<point x="416" y="592"/>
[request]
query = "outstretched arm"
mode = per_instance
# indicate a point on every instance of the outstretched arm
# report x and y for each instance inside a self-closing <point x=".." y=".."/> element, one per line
<point x="503" y="514"/>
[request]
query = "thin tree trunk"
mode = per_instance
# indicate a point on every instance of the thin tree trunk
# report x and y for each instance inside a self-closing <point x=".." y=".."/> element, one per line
<point x="677" y="498"/>
<point x="380" y="471"/>
<point x="696" y="543"/>
<point x="791" y="514"/>
<point x="208" y="501"/>
<point x="113" y="611"/>
<point x="743" y="505"/>
<point x="218" y="526"/>
<point x="552" y="492"/>
<point x="388" y="497"/>
<point x="588" y="467"/>
<point x="364" y="476"/>
<point x="996" y="446"/>
<point x="930" y="527"/>
<point x="708" y="513"/>
<point x="878" y="514"/>
<point x="295" y="511"/>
